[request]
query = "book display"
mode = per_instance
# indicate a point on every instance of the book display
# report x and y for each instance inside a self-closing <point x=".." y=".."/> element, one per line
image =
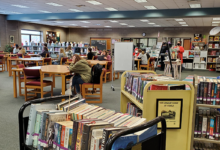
<point x="213" y="52"/>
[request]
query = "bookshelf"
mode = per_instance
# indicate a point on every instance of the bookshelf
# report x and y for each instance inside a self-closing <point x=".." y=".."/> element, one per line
<point x="206" y="140"/>
<point x="176" y="137"/>
<point x="209" y="106"/>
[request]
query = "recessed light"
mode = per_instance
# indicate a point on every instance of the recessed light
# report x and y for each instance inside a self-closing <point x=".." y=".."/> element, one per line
<point x="184" y="25"/>
<point x="84" y="21"/>
<point x="54" y="4"/>
<point x="216" y="22"/>
<point x="195" y="5"/>
<point x="124" y="24"/>
<point x="108" y="26"/>
<point x="111" y="9"/>
<point x="144" y="20"/>
<point x="151" y="23"/>
<point x="150" y="7"/>
<point x="73" y="24"/>
<point x="131" y="26"/>
<point x="76" y="10"/>
<point x="94" y="2"/>
<point x="85" y="26"/>
<point x="216" y="18"/>
<point x="182" y="22"/>
<point x="44" y="11"/>
<point x="179" y="19"/>
<point x="20" y="6"/>
<point x="113" y="21"/>
<point x="140" y="1"/>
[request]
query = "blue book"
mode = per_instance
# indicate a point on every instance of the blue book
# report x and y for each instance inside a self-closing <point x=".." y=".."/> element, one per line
<point x="146" y="133"/>
<point x="124" y="142"/>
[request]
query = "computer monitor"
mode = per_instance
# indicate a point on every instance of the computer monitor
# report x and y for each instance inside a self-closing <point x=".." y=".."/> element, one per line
<point x="77" y="50"/>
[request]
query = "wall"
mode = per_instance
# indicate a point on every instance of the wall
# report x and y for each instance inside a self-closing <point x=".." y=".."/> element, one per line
<point x="84" y="35"/>
<point x="13" y="28"/>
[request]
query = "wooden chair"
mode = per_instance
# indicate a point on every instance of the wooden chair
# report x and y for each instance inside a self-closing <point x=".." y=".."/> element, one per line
<point x="96" y="94"/>
<point x="63" y="60"/>
<point x="21" y="78"/>
<point x="118" y="75"/>
<point x="29" y="64"/>
<point x="2" y="63"/>
<point x="95" y="57"/>
<point x="20" y="55"/>
<point x="150" y="64"/>
<point x="15" y="65"/>
<point x="47" y="55"/>
<point x="47" y="61"/>
<point x="37" y="85"/>
<point x="108" y="74"/>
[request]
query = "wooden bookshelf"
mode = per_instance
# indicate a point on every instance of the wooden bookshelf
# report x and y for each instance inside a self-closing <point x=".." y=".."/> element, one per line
<point x="207" y="140"/>
<point x="132" y="99"/>
<point x="209" y="106"/>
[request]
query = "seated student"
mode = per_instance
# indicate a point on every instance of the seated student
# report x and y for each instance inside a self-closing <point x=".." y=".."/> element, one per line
<point x="62" y="54"/>
<point x="69" y="52"/>
<point x="82" y="72"/>
<point x="44" y="52"/>
<point x="21" y="51"/>
<point x="90" y="54"/>
<point x="16" y="49"/>
<point x="107" y="57"/>
<point x="144" y="58"/>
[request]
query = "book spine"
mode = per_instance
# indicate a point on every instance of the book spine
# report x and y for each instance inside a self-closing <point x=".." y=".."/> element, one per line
<point x="205" y="90"/>
<point x="104" y="139"/>
<point x="201" y="92"/>
<point x="211" y="128"/>
<point x="200" y="126"/>
<point x="96" y="144"/>
<point x="209" y="93"/>
<point x="215" y="93"/>
<point x="74" y="135"/>
<point x="92" y="143"/>
<point x="218" y="94"/>
<point x="212" y="94"/>
<point x="78" y="139"/>
<point x="59" y="136"/>
<point x="45" y="132"/>
<point x="208" y="126"/>
<point x="217" y="127"/>
<point x="85" y="138"/>
<point x="196" y="125"/>
<point x="70" y="138"/>
<point x="56" y="128"/>
<point x="62" y="136"/>
<point x="66" y="140"/>
<point x="30" y="125"/>
<point x="198" y="94"/>
<point x="204" y="126"/>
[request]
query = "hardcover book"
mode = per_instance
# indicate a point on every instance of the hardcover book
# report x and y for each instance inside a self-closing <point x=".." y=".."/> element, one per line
<point x="125" y="142"/>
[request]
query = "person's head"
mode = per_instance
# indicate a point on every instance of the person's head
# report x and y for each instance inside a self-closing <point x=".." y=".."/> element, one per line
<point x="45" y="49"/>
<point x="69" y="48"/>
<point x="16" y="46"/>
<point x="76" y="58"/>
<point x="143" y="51"/>
<point x="19" y="48"/>
<point x="104" y="53"/>
<point x="178" y="44"/>
<point x="45" y="44"/>
<point x="90" y="50"/>
<point x="139" y="51"/>
<point x="61" y="50"/>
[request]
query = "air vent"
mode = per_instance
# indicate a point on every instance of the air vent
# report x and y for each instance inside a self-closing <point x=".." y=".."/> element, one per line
<point x="80" y="5"/>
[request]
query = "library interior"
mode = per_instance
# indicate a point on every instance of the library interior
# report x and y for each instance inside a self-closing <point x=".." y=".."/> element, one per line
<point x="67" y="84"/>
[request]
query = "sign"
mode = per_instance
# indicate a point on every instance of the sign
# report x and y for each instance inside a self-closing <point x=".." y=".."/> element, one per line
<point x="171" y="110"/>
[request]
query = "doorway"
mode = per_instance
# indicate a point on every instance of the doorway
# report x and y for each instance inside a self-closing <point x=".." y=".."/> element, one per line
<point x="186" y="44"/>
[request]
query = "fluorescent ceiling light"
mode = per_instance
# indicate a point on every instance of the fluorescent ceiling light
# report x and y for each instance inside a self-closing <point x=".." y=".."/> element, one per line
<point x="94" y="2"/>
<point x="182" y="22"/>
<point x="73" y="24"/>
<point x="131" y="26"/>
<point x="124" y="24"/>
<point x="111" y="9"/>
<point x="58" y="22"/>
<point x="151" y="23"/>
<point x="157" y="25"/>
<point x="216" y="18"/>
<point x="216" y="22"/>
<point x="76" y="10"/>
<point x="113" y="21"/>
<point x="44" y="11"/>
<point x="184" y="25"/>
<point x="144" y="20"/>
<point x="179" y="19"/>
<point x="20" y="6"/>
<point x="108" y="26"/>
<point x="140" y="1"/>
<point x="150" y="7"/>
<point x="54" y="4"/>
<point x="85" y="26"/>
<point x="84" y="21"/>
<point x="15" y="13"/>
<point x="195" y="5"/>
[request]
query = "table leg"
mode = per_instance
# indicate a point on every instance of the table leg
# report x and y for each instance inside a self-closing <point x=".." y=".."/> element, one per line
<point x="180" y="71"/>
<point x="9" y="68"/>
<point x="63" y="85"/>
<point x="54" y="80"/>
<point x="15" y="84"/>
<point x="138" y="65"/>
<point x="37" y="63"/>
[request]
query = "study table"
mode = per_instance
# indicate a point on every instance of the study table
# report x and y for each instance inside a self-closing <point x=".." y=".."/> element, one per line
<point x="34" y="55"/>
<point x="94" y="62"/>
<point x="49" y="69"/>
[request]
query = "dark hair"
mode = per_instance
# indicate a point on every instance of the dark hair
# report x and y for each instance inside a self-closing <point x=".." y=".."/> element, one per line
<point x="90" y="49"/>
<point x="78" y="58"/>
<point x="17" y="46"/>
<point x="45" y="44"/>
<point x="45" y="49"/>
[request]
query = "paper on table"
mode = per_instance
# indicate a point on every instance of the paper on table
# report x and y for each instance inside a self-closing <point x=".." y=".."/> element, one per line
<point x="203" y="54"/>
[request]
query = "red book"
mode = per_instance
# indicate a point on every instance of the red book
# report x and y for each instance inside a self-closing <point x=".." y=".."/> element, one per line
<point x="158" y="87"/>
<point x="62" y="136"/>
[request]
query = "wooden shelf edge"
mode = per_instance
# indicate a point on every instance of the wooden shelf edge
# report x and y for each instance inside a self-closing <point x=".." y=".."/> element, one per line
<point x="132" y="99"/>
<point x="207" y="140"/>
<point x="210" y="106"/>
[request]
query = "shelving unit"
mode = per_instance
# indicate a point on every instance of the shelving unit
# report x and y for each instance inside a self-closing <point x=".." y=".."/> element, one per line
<point x="177" y="137"/>
<point x="206" y="140"/>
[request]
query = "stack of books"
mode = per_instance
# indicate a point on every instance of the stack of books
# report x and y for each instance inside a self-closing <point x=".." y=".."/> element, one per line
<point x="207" y="124"/>
<point x="76" y="125"/>
<point x="133" y="110"/>
<point x="208" y="91"/>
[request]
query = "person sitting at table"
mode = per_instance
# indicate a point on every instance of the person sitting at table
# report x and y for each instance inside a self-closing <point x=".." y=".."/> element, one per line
<point x="82" y="72"/>
<point x="90" y="54"/>
<point x="107" y="57"/>
<point x="44" y="52"/>
<point x="144" y="57"/>
<point x="21" y="51"/>
<point x="62" y="54"/>
<point x="16" y="49"/>
<point x="69" y="52"/>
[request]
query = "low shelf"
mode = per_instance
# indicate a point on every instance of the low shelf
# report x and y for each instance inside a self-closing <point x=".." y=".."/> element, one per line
<point x="207" y="140"/>
<point x="132" y="99"/>
<point x="209" y="106"/>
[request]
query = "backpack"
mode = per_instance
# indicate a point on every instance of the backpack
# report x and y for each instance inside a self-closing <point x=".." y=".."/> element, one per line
<point x="96" y="72"/>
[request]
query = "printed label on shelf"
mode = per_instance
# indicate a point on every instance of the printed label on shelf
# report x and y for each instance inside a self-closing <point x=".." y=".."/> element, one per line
<point x="195" y="132"/>
<point x="199" y="132"/>
<point x="216" y="135"/>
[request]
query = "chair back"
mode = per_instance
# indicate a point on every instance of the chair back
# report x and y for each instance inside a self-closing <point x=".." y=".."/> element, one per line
<point x="20" y="66"/>
<point x="1" y="56"/>
<point x="69" y="60"/>
<point x="19" y="55"/>
<point x="14" y="57"/>
<point x="63" y="60"/>
<point x="46" y="60"/>
<point x="47" y="55"/>
<point x="30" y="52"/>
<point x="95" y="57"/>
<point x="109" y="65"/>
<point x="26" y="56"/>
<point x="32" y="72"/>
<point x="102" y="74"/>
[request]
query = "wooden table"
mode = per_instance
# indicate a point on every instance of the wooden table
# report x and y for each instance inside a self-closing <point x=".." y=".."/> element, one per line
<point x="49" y="69"/>
<point x="34" y="59"/>
<point x="34" y="55"/>
<point x="94" y="62"/>
<point x="138" y="60"/>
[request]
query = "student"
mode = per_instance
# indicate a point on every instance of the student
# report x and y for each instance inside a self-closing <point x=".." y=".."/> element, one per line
<point x="180" y="51"/>
<point x="22" y="51"/>
<point x="90" y="54"/>
<point x="45" y="51"/>
<point x="82" y="71"/>
<point x="69" y="52"/>
<point x="163" y="50"/>
<point x="107" y="57"/>
<point x="137" y="52"/>
<point x="62" y="54"/>
<point x="16" y="49"/>
<point x="144" y="58"/>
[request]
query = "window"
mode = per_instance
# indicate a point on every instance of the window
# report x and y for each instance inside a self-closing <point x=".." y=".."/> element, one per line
<point x="30" y="36"/>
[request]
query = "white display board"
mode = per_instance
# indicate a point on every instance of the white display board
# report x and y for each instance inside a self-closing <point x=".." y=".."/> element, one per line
<point x="123" y="56"/>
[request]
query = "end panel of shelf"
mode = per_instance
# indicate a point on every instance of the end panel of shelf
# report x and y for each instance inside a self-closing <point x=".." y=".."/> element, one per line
<point x="132" y="99"/>
<point x="207" y="140"/>
<point x="209" y="106"/>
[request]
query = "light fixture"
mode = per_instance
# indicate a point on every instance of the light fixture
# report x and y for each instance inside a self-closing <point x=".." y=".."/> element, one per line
<point x="20" y="6"/>
<point x="44" y="11"/>
<point x="151" y="23"/>
<point x="15" y="12"/>
<point x="140" y="1"/>
<point x="182" y="22"/>
<point x="76" y="10"/>
<point x="108" y="26"/>
<point x="157" y="25"/>
<point x="98" y="24"/>
<point x="111" y="9"/>
<point x="150" y="7"/>
<point x="216" y="18"/>
<point x="195" y="5"/>
<point x="179" y="19"/>
<point x="73" y="24"/>
<point x="58" y="22"/>
<point x="85" y="26"/>
<point x="184" y="25"/>
<point x="216" y="22"/>
<point x="94" y="2"/>
<point x="113" y="21"/>
<point x="145" y="20"/>
<point x="84" y="21"/>
<point x="124" y="24"/>
<point x="131" y="26"/>
<point x="54" y="4"/>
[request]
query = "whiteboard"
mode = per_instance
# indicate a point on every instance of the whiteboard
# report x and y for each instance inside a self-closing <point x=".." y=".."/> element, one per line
<point x="123" y="53"/>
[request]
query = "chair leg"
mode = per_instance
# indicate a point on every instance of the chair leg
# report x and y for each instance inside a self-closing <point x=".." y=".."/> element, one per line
<point x="101" y="95"/>
<point x="52" y="89"/>
<point x="105" y="78"/>
<point x="25" y="93"/>
<point x="19" y="85"/>
<point x="42" y="92"/>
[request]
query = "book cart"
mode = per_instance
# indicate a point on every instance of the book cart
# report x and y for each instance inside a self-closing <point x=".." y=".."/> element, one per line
<point x="176" y="138"/>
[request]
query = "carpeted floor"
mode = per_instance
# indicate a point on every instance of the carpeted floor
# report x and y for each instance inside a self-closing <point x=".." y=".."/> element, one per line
<point x="9" y="106"/>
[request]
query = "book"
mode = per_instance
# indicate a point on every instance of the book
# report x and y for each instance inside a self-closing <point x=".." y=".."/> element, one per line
<point x="216" y="38"/>
<point x="196" y="124"/>
<point x="216" y="45"/>
<point x="92" y="112"/>
<point x="125" y="142"/>
<point x="146" y="133"/>
<point x="70" y="137"/>
<point x="209" y="59"/>
<point x="96" y="136"/>
<point x="32" y="118"/>
<point x="74" y="104"/>
<point x="158" y="87"/>
<point x="210" y="45"/>
<point x="211" y="38"/>
<point x="177" y="87"/>
<point x="60" y="105"/>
